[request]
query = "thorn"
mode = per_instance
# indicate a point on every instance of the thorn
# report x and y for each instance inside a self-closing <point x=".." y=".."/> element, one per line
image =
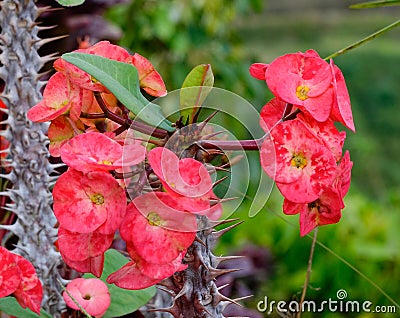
<point x="173" y="310"/>
<point x="198" y="240"/>
<point x="218" y="234"/>
<point x="45" y="41"/>
<point x="4" y="110"/>
<point x="187" y="286"/>
<point x="221" y="259"/>
<point x="215" y="272"/>
<point x="42" y="10"/>
<point x="219" y="181"/>
<point x="242" y="298"/>
<point x="166" y="290"/>
<point x="222" y="169"/>
<point x="42" y="28"/>
<point x="50" y="57"/>
<point x="38" y="76"/>
<point x="216" y="201"/>
<point x="212" y="135"/>
<point x="218" y="297"/>
<point x="204" y="123"/>
<point x="198" y="259"/>
<point x="221" y="222"/>
<point x="222" y="287"/>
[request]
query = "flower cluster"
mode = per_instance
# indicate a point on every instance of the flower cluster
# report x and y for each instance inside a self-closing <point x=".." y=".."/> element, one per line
<point x="92" y="203"/>
<point x="302" y="152"/>
<point x="18" y="277"/>
<point x="69" y="101"/>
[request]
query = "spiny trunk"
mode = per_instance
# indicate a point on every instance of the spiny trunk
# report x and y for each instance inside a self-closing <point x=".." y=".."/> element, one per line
<point x="30" y="175"/>
<point x="193" y="292"/>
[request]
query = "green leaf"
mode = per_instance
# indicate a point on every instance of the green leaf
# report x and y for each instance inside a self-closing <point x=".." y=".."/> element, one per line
<point x="195" y="88"/>
<point x="70" y="3"/>
<point x="123" y="301"/>
<point x="375" y="4"/>
<point x="123" y="81"/>
<point x="10" y="306"/>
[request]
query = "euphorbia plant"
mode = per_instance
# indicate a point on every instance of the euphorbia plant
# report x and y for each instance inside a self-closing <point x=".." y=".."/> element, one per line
<point x="159" y="199"/>
<point x="156" y="193"/>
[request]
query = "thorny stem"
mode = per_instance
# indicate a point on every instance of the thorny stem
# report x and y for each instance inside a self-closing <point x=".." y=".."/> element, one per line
<point x="126" y="123"/>
<point x="308" y="275"/>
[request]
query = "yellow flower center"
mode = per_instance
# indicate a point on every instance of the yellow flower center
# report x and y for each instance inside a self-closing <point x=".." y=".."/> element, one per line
<point x="105" y="162"/>
<point x="154" y="219"/>
<point x="97" y="198"/>
<point x="298" y="160"/>
<point x="302" y="91"/>
<point x="93" y="79"/>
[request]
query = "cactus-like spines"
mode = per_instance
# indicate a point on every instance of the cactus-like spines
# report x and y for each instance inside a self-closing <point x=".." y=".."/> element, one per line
<point x="193" y="292"/>
<point x="30" y="170"/>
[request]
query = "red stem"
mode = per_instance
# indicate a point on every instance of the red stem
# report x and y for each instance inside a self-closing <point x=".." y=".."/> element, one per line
<point x="129" y="123"/>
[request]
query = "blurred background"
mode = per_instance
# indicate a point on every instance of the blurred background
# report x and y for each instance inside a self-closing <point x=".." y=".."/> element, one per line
<point x="231" y="35"/>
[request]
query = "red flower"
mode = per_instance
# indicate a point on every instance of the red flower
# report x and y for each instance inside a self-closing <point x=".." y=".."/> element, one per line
<point x="271" y="114"/>
<point x="29" y="292"/>
<point x="81" y="246"/>
<point x="298" y="161"/>
<point x="59" y="97"/>
<point x="9" y="273"/>
<point x="187" y="179"/>
<point x="341" y="110"/>
<point x="139" y="274"/>
<point x="91" y="151"/>
<point x="157" y="228"/>
<point x="60" y="131"/>
<point x="92" y="265"/>
<point x="150" y="80"/>
<point x="327" y="208"/>
<point x="91" y="294"/>
<point x="304" y="80"/>
<point x="83" y="79"/>
<point x="327" y="133"/>
<point x="95" y="199"/>
<point x="257" y="70"/>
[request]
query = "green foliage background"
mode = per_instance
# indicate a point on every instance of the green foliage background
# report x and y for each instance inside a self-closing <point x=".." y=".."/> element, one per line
<point x="230" y="35"/>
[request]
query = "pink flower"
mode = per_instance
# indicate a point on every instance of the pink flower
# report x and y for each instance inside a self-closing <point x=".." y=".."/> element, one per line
<point x="187" y="179"/>
<point x="95" y="199"/>
<point x="81" y="246"/>
<point x="341" y="110"/>
<point x="83" y="79"/>
<point x="139" y="274"/>
<point x="327" y="208"/>
<point x="92" y="151"/>
<point x="9" y="273"/>
<point x="29" y="293"/>
<point x="59" y="97"/>
<point x="150" y="80"/>
<point x="157" y="227"/>
<point x="257" y="70"/>
<point x="327" y="133"/>
<point x="91" y="294"/>
<point x="92" y="265"/>
<point x="304" y="80"/>
<point x="272" y="113"/>
<point x="298" y="161"/>
<point x="60" y="131"/>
